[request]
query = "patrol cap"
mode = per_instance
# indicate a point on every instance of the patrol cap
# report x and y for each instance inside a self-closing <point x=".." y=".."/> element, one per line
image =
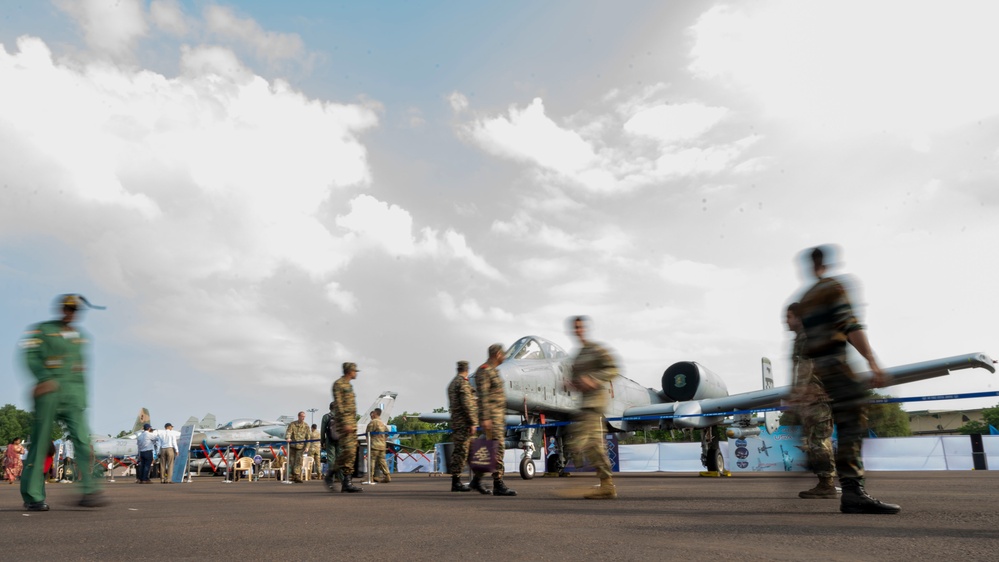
<point x="348" y="367"/>
<point x="74" y="301"/>
<point x="146" y="426"/>
<point x="462" y="366"/>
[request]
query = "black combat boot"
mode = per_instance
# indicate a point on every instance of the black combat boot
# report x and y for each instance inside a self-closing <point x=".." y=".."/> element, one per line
<point x="329" y="479"/>
<point x="856" y="500"/>
<point x="347" y="486"/>
<point x="500" y="489"/>
<point x="457" y="486"/>
<point x="94" y="499"/>
<point x="476" y="484"/>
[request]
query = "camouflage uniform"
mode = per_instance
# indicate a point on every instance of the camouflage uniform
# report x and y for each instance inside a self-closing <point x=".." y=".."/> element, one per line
<point x="588" y="444"/>
<point x="815" y="413"/>
<point x="345" y="417"/>
<point x="55" y="351"/>
<point x="828" y="318"/>
<point x="492" y="406"/>
<point x="376" y="450"/>
<point x="297" y="435"/>
<point x="314" y="440"/>
<point x="464" y="413"/>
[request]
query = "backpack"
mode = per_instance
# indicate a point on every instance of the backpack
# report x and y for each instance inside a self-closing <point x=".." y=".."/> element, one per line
<point x="332" y="435"/>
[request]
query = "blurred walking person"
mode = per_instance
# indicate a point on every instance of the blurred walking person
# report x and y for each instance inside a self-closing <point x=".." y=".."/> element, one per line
<point x="830" y="324"/>
<point x="593" y="369"/>
<point x="55" y="353"/>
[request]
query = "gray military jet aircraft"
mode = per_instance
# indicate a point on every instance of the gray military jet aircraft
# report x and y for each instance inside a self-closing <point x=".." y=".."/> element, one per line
<point x="536" y="370"/>
<point x="120" y="447"/>
<point x="244" y="431"/>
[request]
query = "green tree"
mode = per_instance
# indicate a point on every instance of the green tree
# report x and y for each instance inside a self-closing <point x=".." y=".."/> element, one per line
<point x="17" y="423"/>
<point x="423" y="441"/>
<point x="888" y="420"/>
<point x="990" y="417"/>
<point x="13" y="423"/>
<point x="660" y="436"/>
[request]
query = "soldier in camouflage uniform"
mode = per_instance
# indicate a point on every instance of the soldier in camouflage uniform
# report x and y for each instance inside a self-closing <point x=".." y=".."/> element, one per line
<point x="464" y="414"/>
<point x="376" y="450"/>
<point x="314" y="440"/>
<point x="593" y="371"/>
<point x="55" y="353"/>
<point x="829" y="323"/>
<point x="331" y="444"/>
<point x="812" y="406"/>
<point x="297" y="434"/>
<point x="492" y="409"/>
<point x="345" y="416"/>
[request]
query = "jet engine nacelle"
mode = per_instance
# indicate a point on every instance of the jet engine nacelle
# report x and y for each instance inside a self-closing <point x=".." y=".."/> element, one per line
<point x="689" y="380"/>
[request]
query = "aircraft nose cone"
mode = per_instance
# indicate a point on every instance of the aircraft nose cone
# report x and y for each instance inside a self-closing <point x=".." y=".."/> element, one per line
<point x="275" y="432"/>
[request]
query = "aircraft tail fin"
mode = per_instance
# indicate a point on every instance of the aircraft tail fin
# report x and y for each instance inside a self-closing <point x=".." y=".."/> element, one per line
<point x="192" y="421"/>
<point x="208" y="422"/>
<point x="140" y="420"/>
<point x="385" y="401"/>
<point x="772" y="418"/>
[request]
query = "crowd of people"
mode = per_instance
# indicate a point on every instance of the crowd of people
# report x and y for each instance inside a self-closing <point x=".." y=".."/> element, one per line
<point x="826" y="391"/>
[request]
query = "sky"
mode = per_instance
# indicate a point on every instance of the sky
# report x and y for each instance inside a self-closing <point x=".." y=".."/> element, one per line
<point x="260" y="191"/>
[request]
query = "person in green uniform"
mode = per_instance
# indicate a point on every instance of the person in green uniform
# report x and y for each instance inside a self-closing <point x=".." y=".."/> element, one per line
<point x="55" y="353"/>
<point x="464" y="415"/>
<point x="297" y="435"/>
<point x="376" y="450"/>
<point x="492" y="411"/>
<point x="593" y="372"/>
<point x="345" y="416"/>
<point x="830" y="324"/>
<point x="811" y="403"/>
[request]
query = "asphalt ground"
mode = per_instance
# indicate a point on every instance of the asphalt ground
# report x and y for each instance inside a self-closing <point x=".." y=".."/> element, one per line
<point x="945" y="516"/>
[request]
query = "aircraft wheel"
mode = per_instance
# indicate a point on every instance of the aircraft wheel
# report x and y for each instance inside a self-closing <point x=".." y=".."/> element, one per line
<point x="716" y="461"/>
<point x="526" y="469"/>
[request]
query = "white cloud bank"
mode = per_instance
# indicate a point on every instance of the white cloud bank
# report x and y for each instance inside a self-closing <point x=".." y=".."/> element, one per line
<point x="636" y="143"/>
<point x="195" y="192"/>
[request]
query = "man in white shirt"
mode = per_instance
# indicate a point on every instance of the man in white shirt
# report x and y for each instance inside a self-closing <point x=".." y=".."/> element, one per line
<point x="146" y="441"/>
<point x="168" y="451"/>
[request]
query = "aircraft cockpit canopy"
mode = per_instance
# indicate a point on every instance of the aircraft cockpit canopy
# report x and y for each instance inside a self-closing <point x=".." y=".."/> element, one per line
<point x="246" y="423"/>
<point x="532" y="347"/>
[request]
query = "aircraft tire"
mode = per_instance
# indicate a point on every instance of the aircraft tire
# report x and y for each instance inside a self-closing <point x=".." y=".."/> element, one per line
<point x="716" y="461"/>
<point x="526" y="468"/>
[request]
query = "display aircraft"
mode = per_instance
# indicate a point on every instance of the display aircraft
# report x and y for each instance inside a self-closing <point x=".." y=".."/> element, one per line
<point x="385" y="401"/>
<point x="120" y="447"/>
<point x="536" y="371"/>
<point x="207" y="422"/>
<point x="243" y="431"/>
<point x="264" y="438"/>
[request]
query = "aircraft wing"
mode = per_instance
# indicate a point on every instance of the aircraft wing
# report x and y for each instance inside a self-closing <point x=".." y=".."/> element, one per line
<point x="772" y="397"/>
<point x="695" y="408"/>
<point x="435" y="417"/>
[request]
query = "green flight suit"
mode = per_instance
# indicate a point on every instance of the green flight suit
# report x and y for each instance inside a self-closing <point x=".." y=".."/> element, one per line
<point x="55" y="351"/>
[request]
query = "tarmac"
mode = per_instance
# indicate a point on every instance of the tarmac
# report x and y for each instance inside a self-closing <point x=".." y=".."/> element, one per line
<point x="945" y="516"/>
